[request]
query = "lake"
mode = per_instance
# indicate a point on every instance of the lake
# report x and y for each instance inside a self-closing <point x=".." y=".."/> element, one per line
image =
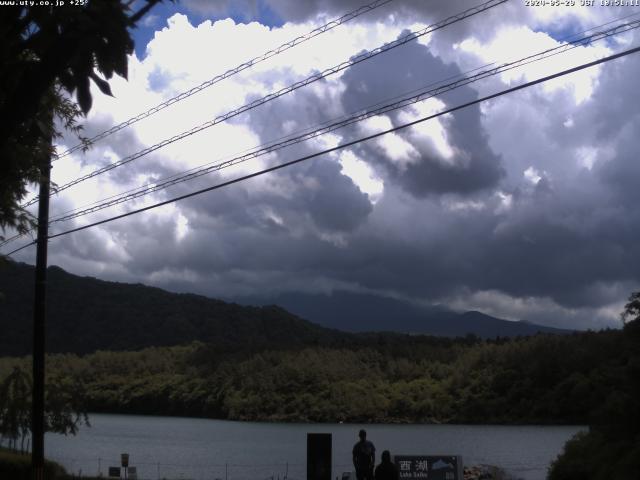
<point x="203" y="449"/>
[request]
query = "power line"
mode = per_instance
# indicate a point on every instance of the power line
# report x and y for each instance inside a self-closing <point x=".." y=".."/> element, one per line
<point x="344" y="145"/>
<point x="352" y="118"/>
<point x="272" y="96"/>
<point x="243" y="66"/>
<point x="14" y="237"/>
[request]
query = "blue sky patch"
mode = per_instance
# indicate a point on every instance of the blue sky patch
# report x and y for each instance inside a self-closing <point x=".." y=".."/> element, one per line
<point x="156" y="19"/>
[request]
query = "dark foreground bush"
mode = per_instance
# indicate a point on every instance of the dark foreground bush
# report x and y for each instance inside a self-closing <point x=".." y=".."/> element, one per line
<point x="15" y="466"/>
<point x="593" y="456"/>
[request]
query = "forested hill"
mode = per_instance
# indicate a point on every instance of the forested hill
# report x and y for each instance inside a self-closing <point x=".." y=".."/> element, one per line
<point x="85" y="314"/>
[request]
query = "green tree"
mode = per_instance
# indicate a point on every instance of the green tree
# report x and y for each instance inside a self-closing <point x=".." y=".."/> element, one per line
<point x="15" y="407"/>
<point x="47" y="54"/>
<point x="631" y="312"/>
<point x="26" y="153"/>
<point x="611" y="448"/>
<point x="65" y="406"/>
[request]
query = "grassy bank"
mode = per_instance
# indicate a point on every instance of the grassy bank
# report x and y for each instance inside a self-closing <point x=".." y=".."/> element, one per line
<point x="17" y="466"/>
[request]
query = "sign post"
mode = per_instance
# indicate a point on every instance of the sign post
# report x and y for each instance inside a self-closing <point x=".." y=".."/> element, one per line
<point x="124" y="461"/>
<point x="429" y="467"/>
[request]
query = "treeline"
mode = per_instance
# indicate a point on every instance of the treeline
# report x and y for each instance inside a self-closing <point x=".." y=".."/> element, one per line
<point x="383" y="378"/>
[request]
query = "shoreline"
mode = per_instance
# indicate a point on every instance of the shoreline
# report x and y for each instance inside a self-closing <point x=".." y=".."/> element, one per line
<point x="371" y="421"/>
<point x="472" y="472"/>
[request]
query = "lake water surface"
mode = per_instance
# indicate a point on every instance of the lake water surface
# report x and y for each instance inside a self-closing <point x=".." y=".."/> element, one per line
<point x="202" y="449"/>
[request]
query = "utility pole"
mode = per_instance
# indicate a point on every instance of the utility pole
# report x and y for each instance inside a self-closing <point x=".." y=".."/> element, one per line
<point x="39" y="315"/>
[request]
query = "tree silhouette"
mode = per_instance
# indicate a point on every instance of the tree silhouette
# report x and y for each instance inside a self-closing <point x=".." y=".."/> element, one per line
<point x="631" y="311"/>
<point x="15" y="406"/>
<point x="47" y="54"/>
<point x="64" y="412"/>
<point x="611" y="447"/>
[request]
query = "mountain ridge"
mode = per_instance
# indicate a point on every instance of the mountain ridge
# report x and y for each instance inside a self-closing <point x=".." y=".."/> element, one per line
<point x="359" y="312"/>
<point x="86" y="314"/>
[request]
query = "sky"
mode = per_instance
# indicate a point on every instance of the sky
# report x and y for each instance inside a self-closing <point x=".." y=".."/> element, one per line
<point x="523" y="207"/>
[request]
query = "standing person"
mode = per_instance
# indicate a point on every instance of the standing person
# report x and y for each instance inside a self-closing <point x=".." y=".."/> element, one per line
<point x="387" y="470"/>
<point x="364" y="457"/>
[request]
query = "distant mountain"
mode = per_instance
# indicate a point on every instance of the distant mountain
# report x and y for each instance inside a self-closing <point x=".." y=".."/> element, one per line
<point x="356" y="312"/>
<point x="85" y="314"/>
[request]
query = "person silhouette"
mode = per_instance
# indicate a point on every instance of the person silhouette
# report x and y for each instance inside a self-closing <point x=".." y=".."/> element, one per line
<point x="386" y="470"/>
<point x="364" y="457"/>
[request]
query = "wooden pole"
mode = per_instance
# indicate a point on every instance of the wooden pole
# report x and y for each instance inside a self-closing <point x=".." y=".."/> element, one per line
<point x="39" y="316"/>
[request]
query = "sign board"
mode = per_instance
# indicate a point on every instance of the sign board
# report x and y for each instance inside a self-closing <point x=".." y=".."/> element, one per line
<point x="114" y="472"/>
<point x="429" y="467"/>
<point x="124" y="459"/>
<point x="132" y="473"/>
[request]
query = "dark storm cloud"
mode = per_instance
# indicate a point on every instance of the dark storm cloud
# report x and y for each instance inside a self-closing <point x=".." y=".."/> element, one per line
<point x="534" y="251"/>
<point x="591" y="220"/>
<point x="317" y="196"/>
<point x="338" y="206"/>
<point x="473" y="166"/>
<point x="248" y="9"/>
<point x="317" y="188"/>
<point x="407" y="10"/>
<point x="230" y="235"/>
<point x="559" y="245"/>
<point x="612" y="119"/>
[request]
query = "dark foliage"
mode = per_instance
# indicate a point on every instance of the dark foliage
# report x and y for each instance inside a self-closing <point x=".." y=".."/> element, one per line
<point x="611" y="449"/>
<point x="47" y="54"/>
<point x="15" y="466"/>
<point x="382" y="378"/>
<point x="18" y="467"/>
<point x="65" y="405"/>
